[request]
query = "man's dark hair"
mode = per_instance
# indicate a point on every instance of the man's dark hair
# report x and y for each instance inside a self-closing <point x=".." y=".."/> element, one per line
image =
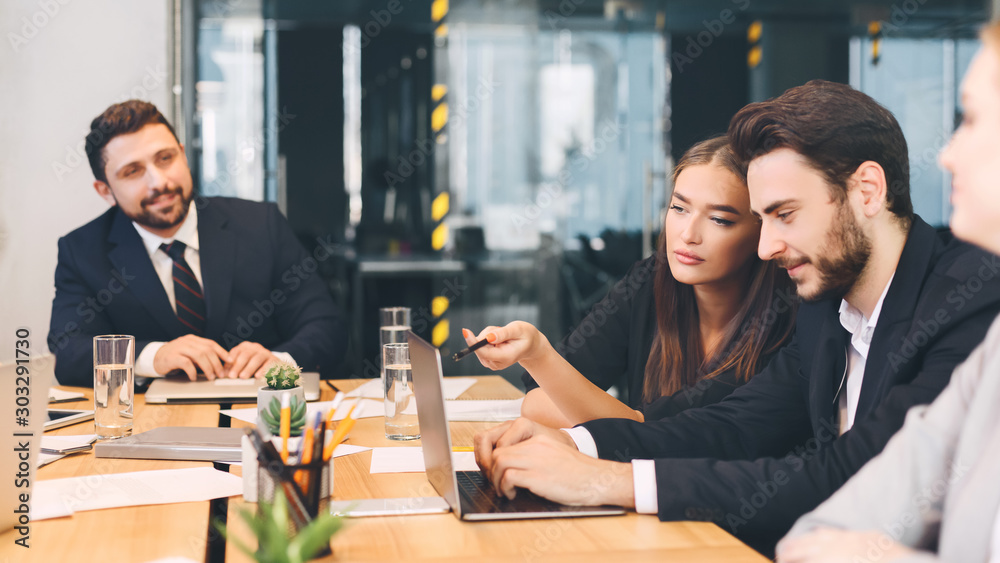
<point x="118" y="119"/>
<point x="835" y="128"/>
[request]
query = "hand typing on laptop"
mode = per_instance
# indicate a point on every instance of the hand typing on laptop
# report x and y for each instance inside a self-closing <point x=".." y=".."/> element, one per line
<point x="524" y="453"/>
<point x="192" y="354"/>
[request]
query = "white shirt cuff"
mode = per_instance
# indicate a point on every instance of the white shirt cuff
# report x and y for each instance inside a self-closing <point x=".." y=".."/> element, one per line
<point x="583" y="440"/>
<point x="144" y="363"/>
<point x="644" y="480"/>
<point x="285" y="357"/>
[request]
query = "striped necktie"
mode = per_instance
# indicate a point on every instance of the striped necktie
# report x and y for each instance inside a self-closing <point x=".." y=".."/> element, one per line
<point x="187" y="291"/>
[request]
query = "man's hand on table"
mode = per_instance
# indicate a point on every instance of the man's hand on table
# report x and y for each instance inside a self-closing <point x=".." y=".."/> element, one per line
<point x="523" y="453"/>
<point x="192" y="354"/>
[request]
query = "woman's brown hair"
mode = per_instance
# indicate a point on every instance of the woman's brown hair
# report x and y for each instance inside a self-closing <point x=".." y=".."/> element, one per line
<point x="762" y="325"/>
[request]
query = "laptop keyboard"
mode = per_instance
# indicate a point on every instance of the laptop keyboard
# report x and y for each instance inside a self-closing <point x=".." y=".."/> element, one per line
<point x="478" y="497"/>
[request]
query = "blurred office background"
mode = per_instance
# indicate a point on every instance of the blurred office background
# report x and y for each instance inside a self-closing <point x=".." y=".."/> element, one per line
<point x="480" y="161"/>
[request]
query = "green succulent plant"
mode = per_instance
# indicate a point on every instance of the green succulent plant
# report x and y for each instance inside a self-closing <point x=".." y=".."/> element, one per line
<point x="282" y="375"/>
<point x="271" y="416"/>
<point x="270" y="524"/>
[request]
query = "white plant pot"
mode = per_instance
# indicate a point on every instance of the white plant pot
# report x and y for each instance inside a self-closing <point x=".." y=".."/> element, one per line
<point x="265" y="394"/>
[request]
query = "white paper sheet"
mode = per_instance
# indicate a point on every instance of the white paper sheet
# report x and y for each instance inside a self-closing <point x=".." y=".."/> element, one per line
<point x="45" y="459"/>
<point x="58" y="395"/>
<point x="485" y="411"/>
<point x="366" y="409"/>
<point x="57" y="496"/>
<point x="453" y="387"/>
<point x="411" y="460"/>
<point x="477" y="411"/>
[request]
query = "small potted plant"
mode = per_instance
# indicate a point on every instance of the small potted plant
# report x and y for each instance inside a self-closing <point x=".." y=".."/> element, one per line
<point x="271" y="525"/>
<point x="281" y="378"/>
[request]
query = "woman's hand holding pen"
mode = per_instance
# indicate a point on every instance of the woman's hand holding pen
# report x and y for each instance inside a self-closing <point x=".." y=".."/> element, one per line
<point x="518" y="342"/>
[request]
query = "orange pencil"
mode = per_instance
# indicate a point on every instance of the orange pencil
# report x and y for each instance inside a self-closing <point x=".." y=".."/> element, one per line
<point x="306" y="456"/>
<point x="337" y="399"/>
<point x="342" y="430"/>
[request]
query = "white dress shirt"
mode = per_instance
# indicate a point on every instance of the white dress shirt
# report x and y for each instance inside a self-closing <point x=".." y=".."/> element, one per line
<point x="861" y="329"/>
<point x="164" y="267"/>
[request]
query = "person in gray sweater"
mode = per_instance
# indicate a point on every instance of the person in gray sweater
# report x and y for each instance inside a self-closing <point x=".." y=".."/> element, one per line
<point x="933" y="494"/>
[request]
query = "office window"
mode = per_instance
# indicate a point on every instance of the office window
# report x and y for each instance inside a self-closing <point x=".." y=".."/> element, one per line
<point x="918" y="81"/>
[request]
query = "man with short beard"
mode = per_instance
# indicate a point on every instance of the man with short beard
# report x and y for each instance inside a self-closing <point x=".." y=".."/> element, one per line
<point x="891" y="308"/>
<point x="219" y="286"/>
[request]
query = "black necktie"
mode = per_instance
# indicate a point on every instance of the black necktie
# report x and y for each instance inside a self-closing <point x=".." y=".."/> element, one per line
<point x="187" y="291"/>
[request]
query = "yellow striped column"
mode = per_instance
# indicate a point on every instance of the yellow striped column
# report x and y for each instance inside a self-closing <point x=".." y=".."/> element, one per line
<point x="875" y="34"/>
<point x="441" y="204"/>
<point x="755" y="52"/>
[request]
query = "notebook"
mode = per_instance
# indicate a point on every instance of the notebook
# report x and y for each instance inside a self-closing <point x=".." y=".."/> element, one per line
<point x="181" y="390"/>
<point x="468" y="493"/>
<point x="190" y="443"/>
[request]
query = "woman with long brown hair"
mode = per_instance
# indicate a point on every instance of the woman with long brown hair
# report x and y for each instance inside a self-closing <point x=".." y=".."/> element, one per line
<point x="683" y="329"/>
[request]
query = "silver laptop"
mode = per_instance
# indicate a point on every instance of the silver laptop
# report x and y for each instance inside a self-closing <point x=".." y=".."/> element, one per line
<point x="177" y="442"/>
<point x="181" y="390"/>
<point x="469" y="493"/>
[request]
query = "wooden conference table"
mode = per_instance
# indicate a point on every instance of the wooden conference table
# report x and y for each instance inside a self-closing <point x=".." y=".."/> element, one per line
<point x="145" y="533"/>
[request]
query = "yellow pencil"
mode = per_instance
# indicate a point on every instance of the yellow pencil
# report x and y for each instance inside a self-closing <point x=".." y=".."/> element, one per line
<point x="463" y="449"/>
<point x="286" y="422"/>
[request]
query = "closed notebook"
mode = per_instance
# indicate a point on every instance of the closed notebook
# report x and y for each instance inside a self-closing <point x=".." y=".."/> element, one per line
<point x="187" y="443"/>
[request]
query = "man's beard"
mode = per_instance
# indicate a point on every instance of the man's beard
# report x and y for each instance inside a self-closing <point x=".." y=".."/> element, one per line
<point x="838" y="273"/>
<point x="147" y="218"/>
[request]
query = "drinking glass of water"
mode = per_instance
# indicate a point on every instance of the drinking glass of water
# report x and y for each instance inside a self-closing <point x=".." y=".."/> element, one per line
<point x="400" y="404"/>
<point x="393" y="324"/>
<point x="114" y="385"/>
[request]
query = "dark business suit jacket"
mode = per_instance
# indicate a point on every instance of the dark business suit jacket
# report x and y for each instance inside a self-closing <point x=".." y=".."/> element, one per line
<point x="770" y="452"/>
<point x="259" y="285"/>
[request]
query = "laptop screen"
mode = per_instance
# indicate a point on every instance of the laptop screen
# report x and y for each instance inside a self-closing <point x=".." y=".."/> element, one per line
<point x="435" y="437"/>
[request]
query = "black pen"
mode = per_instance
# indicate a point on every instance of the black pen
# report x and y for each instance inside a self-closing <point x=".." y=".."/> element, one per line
<point x="463" y="353"/>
